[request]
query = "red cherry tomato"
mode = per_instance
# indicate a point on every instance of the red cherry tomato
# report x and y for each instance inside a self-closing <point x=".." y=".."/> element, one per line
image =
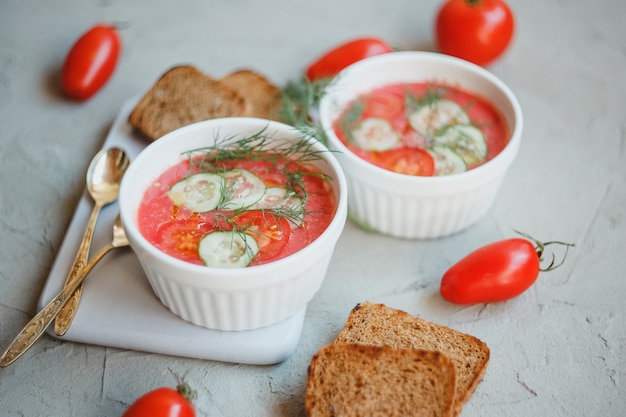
<point x="332" y="62"/>
<point x="270" y="231"/>
<point x="406" y="160"/>
<point x="90" y="62"/>
<point x="496" y="272"/>
<point x="478" y="31"/>
<point x="164" y="402"/>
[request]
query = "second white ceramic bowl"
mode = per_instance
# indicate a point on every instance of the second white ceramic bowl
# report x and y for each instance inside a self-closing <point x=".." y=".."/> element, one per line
<point x="408" y="206"/>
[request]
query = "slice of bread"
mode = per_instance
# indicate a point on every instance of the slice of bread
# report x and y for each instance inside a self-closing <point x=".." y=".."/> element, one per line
<point x="262" y="98"/>
<point x="352" y="380"/>
<point x="181" y="96"/>
<point x="377" y="324"/>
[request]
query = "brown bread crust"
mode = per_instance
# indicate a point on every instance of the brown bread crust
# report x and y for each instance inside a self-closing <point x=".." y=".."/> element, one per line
<point x="262" y="97"/>
<point x="377" y="324"/>
<point x="353" y="380"/>
<point x="181" y="96"/>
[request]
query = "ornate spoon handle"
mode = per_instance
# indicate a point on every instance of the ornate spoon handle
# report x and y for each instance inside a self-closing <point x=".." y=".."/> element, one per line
<point x="35" y="328"/>
<point x="67" y="313"/>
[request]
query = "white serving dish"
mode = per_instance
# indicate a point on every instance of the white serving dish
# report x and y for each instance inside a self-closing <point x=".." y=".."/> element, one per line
<point x="119" y="309"/>
<point x="415" y="207"/>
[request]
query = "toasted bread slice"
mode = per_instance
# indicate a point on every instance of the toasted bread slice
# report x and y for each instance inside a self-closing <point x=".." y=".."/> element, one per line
<point x="352" y="380"/>
<point x="181" y="96"/>
<point x="262" y="98"/>
<point x="377" y="324"/>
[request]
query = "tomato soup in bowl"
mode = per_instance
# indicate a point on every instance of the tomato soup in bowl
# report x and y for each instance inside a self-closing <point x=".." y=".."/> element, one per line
<point x="424" y="139"/>
<point x="238" y="203"/>
<point x="422" y="128"/>
<point x="234" y="220"/>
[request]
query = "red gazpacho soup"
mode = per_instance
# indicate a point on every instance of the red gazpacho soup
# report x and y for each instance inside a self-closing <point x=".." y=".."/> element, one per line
<point x="238" y="204"/>
<point x="423" y="129"/>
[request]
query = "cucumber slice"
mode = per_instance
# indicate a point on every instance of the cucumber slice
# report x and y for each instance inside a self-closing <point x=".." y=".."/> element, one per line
<point x="243" y="189"/>
<point x="276" y="198"/>
<point x="447" y="162"/>
<point x="273" y="197"/>
<point x="199" y="192"/>
<point x="228" y="249"/>
<point x="466" y="140"/>
<point x="375" y="134"/>
<point x="430" y="118"/>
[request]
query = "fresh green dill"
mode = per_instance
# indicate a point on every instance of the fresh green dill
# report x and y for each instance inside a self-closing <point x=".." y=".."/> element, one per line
<point x="299" y="102"/>
<point x="260" y="146"/>
<point x="433" y="95"/>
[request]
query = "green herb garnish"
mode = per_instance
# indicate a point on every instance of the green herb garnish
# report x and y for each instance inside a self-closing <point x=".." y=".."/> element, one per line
<point x="299" y="102"/>
<point x="288" y="156"/>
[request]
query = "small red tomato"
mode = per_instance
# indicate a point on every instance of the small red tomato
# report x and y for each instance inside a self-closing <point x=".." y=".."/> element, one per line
<point x="90" y="62"/>
<point x="332" y="62"/>
<point x="164" y="402"/>
<point x="496" y="272"/>
<point x="478" y="31"/>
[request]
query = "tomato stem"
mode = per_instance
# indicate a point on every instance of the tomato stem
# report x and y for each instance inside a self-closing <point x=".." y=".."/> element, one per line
<point x="186" y="392"/>
<point x="540" y="248"/>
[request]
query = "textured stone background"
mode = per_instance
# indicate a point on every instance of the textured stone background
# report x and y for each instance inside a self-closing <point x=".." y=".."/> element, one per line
<point x="557" y="350"/>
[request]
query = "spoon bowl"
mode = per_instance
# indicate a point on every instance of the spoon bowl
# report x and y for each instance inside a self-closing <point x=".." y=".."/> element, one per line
<point x="105" y="173"/>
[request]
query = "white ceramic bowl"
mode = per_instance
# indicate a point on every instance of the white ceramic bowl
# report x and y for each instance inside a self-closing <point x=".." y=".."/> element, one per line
<point x="410" y="206"/>
<point x="228" y="298"/>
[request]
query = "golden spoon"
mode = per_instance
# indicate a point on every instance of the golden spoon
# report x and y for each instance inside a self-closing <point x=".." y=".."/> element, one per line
<point x="104" y="175"/>
<point x="35" y="328"/>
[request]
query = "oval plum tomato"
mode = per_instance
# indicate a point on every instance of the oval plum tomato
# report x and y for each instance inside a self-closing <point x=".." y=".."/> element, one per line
<point x="478" y="31"/>
<point x="496" y="272"/>
<point x="406" y="160"/>
<point x="180" y="238"/>
<point x="269" y="230"/>
<point x="333" y="61"/>
<point x="90" y="62"/>
<point x="164" y="402"/>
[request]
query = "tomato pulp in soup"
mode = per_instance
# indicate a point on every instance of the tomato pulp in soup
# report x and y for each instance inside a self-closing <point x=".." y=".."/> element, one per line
<point x="422" y="129"/>
<point x="237" y="209"/>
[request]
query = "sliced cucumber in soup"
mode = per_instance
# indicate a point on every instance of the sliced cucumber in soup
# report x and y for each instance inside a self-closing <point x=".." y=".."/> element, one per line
<point x="276" y="198"/>
<point x="430" y="118"/>
<point x="199" y="192"/>
<point x="466" y="140"/>
<point x="447" y="162"/>
<point x="272" y="198"/>
<point x="243" y="189"/>
<point x="228" y="249"/>
<point x="375" y="134"/>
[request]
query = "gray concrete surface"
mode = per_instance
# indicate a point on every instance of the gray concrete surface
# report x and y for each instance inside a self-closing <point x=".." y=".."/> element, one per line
<point x="557" y="350"/>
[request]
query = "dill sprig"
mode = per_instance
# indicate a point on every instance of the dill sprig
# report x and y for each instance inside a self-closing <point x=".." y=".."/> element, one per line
<point x="299" y="103"/>
<point x="432" y="95"/>
<point x="260" y="146"/>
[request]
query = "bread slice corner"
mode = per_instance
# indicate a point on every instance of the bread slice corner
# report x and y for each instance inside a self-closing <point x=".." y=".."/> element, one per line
<point x="353" y="380"/>
<point x="181" y="96"/>
<point x="262" y="97"/>
<point x="380" y="325"/>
